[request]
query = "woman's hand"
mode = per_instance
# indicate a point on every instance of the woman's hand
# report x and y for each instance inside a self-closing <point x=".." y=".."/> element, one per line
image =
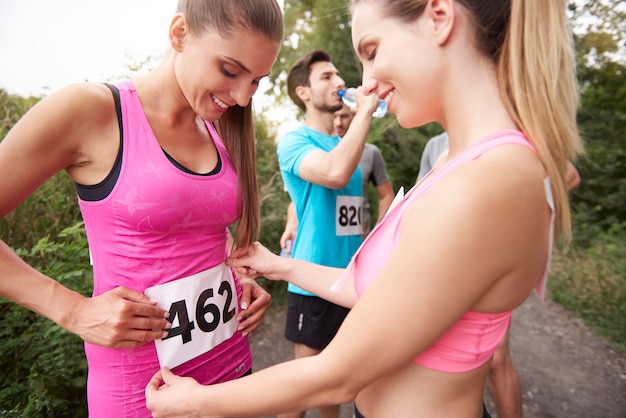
<point x="254" y="303"/>
<point x="168" y="395"/>
<point x="254" y="262"/>
<point x="119" y="318"/>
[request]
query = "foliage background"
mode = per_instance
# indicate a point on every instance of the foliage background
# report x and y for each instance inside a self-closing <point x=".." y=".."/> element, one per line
<point x="44" y="369"/>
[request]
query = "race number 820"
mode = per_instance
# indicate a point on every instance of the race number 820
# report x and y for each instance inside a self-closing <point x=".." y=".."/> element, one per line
<point x="348" y="215"/>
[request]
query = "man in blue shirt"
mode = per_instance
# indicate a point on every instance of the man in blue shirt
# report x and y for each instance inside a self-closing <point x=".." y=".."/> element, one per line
<point x="322" y="175"/>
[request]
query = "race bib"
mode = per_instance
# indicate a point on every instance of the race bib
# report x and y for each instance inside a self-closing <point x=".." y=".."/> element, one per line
<point x="348" y="215"/>
<point x="203" y="312"/>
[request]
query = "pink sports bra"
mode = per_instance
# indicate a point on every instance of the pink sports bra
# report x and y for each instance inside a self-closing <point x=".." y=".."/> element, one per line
<point x="471" y="341"/>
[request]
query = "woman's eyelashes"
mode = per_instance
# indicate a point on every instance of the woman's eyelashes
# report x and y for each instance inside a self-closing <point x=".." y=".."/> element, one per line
<point x="227" y="73"/>
<point x="232" y="76"/>
<point x="371" y="55"/>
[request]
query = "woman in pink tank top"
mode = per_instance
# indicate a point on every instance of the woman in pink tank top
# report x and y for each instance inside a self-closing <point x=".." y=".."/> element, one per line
<point x="433" y="286"/>
<point x="164" y="165"/>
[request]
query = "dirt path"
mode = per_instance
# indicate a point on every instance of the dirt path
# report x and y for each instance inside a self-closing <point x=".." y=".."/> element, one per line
<point x="566" y="370"/>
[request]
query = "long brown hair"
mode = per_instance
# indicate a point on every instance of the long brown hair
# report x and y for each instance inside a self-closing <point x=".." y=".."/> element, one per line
<point x="236" y="126"/>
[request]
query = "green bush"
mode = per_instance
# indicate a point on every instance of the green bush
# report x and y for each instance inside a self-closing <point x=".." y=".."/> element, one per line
<point x="591" y="282"/>
<point x="44" y="366"/>
<point x="52" y="207"/>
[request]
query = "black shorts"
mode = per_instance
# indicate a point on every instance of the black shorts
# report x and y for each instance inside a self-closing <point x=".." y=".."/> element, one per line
<point x="312" y="321"/>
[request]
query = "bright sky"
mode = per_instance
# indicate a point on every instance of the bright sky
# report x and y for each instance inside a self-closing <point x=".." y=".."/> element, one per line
<point x="47" y="44"/>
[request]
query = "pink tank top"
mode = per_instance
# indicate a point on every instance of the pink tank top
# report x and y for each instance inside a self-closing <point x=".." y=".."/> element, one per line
<point x="158" y="225"/>
<point x="471" y="341"/>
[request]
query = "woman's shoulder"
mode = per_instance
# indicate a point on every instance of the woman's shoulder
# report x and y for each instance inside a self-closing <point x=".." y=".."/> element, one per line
<point x="87" y="96"/>
<point x="500" y="170"/>
<point x="503" y="189"/>
<point x="85" y="122"/>
<point x="76" y="104"/>
<point x="65" y="130"/>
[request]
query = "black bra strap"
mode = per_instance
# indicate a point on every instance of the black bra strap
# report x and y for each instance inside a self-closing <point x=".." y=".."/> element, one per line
<point x="100" y="191"/>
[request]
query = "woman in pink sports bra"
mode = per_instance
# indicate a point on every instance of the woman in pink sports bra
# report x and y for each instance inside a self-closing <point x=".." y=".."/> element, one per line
<point x="164" y="165"/>
<point x="432" y="288"/>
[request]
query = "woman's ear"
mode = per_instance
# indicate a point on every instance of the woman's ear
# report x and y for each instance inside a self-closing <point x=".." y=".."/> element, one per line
<point x="178" y="31"/>
<point x="441" y="16"/>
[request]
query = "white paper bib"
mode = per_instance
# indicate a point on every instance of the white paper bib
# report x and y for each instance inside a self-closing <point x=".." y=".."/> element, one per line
<point x="203" y="312"/>
<point x="348" y="215"/>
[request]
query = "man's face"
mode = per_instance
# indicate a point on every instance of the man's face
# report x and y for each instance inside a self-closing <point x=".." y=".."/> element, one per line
<point x="325" y="83"/>
<point x="341" y="122"/>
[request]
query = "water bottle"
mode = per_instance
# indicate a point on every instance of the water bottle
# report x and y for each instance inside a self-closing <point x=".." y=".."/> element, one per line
<point x="286" y="252"/>
<point x="347" y="95"/>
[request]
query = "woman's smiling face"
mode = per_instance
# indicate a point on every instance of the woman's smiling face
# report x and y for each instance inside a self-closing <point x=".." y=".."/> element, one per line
<point x="217" y="72"/>
<point x="397" y="62"/>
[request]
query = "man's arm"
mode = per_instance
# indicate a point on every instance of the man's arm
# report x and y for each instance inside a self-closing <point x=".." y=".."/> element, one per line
<point x="432" y="151"/>
<point x="291" y="226"/>
<point x="385" y="197"/>
<point x="335" y="168"/>
<point x="380" y="179"/>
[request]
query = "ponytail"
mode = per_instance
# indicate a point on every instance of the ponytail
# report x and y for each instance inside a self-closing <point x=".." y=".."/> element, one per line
<point x="532" y="46"/>
<point x="537" y="75"/>
<point x="236" y="129"/>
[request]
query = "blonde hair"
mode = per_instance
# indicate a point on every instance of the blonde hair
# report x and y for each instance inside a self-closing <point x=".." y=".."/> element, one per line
<point x="236" y="126"/>
<point x="537" y="73"/>
<point x="532" y="46"/>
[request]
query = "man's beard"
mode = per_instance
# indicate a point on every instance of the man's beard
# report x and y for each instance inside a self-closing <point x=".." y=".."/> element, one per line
<point x="329" y="109"/>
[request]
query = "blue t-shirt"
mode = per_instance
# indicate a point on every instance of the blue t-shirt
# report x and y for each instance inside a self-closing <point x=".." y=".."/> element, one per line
<point x="329" y="221"/>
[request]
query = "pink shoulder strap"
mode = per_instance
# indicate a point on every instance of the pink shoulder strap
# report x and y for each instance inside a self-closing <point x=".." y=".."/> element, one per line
<point x="471" y="153"/>
<point x="475" y="151"/>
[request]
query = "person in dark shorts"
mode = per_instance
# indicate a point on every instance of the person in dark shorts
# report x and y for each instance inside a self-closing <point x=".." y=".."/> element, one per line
<point x="432" y="289"/>
<point x="322" y="175"/>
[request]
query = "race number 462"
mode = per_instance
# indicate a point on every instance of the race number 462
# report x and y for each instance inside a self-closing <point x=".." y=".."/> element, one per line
<point x="203" y="310"/>
<point x="208" y="315"/>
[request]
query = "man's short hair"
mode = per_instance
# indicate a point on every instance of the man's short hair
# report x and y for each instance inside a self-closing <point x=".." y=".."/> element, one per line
<point x="300" y="72"/>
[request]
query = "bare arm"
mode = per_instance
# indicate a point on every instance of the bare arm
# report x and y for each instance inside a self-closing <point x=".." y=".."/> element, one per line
<point x="385" y="197"/>
<point x="495" y="277"/>
<point x="335" y="168"/>
<point x="65" y="131"/>
<point x="291" y="226"/>
<point x="314" y="278"/>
